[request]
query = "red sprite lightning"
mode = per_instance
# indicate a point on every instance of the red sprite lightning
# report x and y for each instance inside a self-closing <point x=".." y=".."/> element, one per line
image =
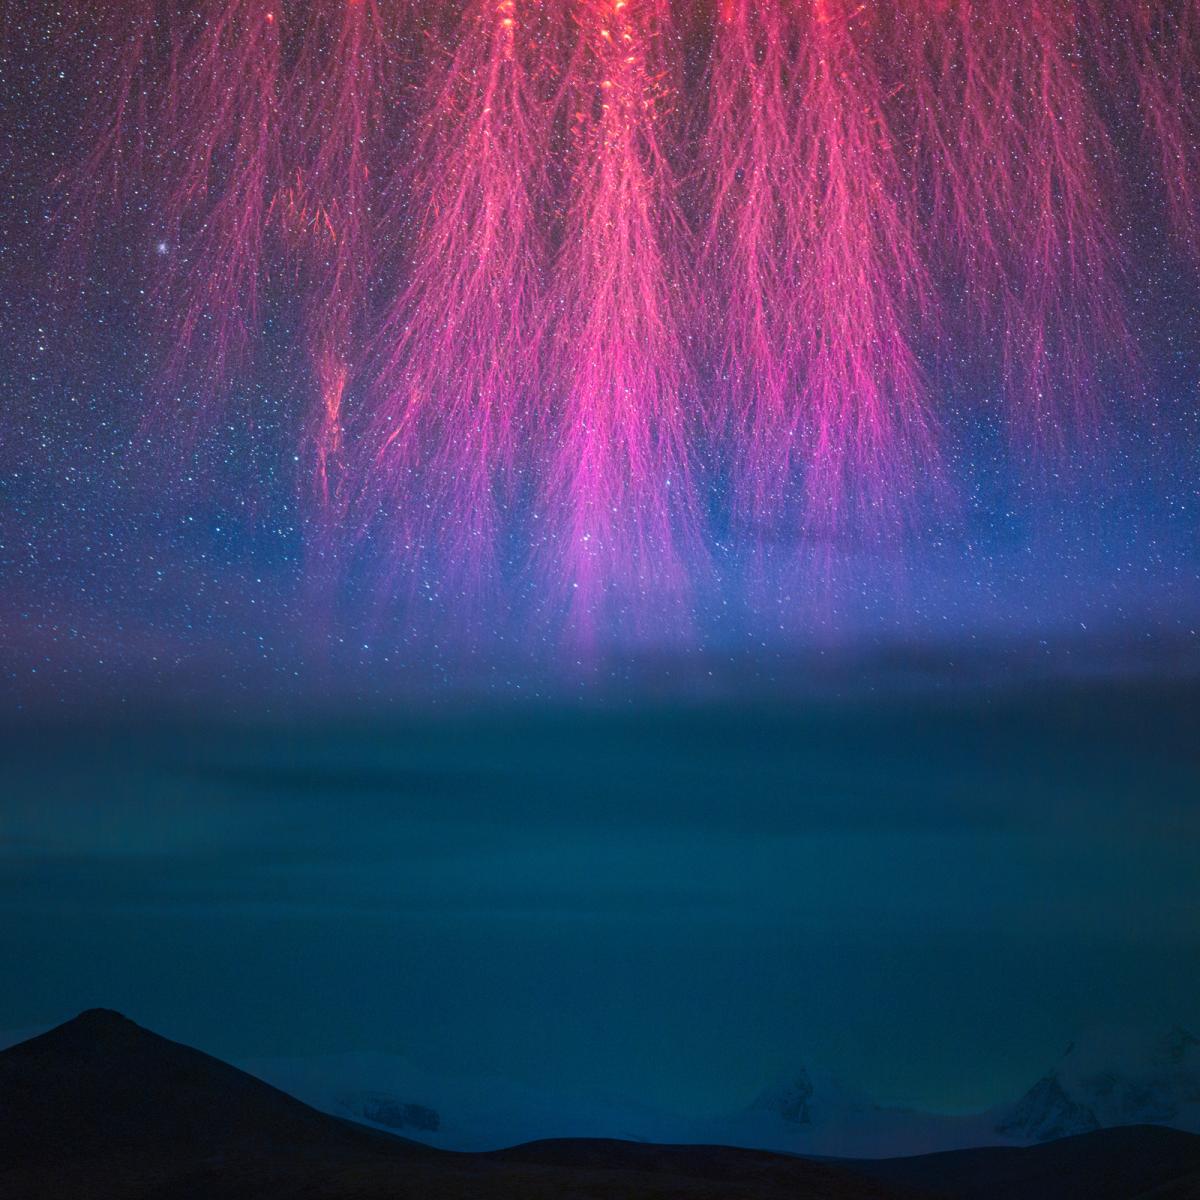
<point x="457" y="347"/>
<point x="328" y="211"/>
<point x="221" y="151"/>
<point x="576" y="282"/>
<point x="619" y="503"/>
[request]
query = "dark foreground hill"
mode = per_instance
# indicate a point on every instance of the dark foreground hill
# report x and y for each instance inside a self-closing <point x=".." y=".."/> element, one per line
<point x="1135" y="1162"/>
<point x="101" y="1109"/>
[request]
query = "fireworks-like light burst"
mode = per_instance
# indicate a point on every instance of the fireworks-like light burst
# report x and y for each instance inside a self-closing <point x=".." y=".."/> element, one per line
<point x="543" y="317"/>
<point x="619" y="505"/>
<point x="459" y="345"/>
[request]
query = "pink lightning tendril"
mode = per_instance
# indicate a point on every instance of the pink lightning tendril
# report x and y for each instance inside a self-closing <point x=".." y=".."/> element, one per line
<point x="571" y="282"/>
<point x="1165" y="53"/>
<point x="120" y="121"/>
<point x="222" y="146"/>
<point x="619" y="497"/>
<point x="862" y="421"/>
<point x="328" y="214"/>
<point x="753" y="217"/>
<point x="458" y="347"/>
<point x="1021" y="158"/>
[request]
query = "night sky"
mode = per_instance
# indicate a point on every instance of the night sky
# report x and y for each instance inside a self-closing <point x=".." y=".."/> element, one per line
<point x="902" y="782"/>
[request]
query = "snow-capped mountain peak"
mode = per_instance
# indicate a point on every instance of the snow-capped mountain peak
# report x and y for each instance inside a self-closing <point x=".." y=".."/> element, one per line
<point x="1046" y="1112"/>
<point x="790" y="1100"/>
<point x="1112" y="1077"/>
<point x="1177" y="1048"/>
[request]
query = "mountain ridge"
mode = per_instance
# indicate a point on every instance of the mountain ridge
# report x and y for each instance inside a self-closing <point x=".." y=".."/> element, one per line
<point x="101" y="1109"/>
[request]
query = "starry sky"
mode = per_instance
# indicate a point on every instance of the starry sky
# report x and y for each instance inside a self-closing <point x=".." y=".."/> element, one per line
<point x="920" y="809"/>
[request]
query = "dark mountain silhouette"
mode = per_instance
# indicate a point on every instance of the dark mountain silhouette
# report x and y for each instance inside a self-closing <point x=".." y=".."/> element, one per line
<point x="101" y="1109"/>
<point x="100" y="1085"/>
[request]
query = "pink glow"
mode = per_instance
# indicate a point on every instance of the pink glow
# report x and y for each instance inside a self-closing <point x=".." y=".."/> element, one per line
<point x="1166" y="64"/>
<point x="1024" y="164"/>
<point x="619" y="506"/>
<point x="863" y="422"/>
<point x="753" y="217"/>
<point x="338" y="101"/>
<point x="458" y="345"/>
<point x="222" y="148"/>
<point x="547" y="300"/>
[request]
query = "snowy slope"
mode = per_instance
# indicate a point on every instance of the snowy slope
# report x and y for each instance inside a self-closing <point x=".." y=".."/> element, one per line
<point x="456" y="1113"/>
<point x="1105" y="1079"/>
<point x="1109" y="1078"/>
